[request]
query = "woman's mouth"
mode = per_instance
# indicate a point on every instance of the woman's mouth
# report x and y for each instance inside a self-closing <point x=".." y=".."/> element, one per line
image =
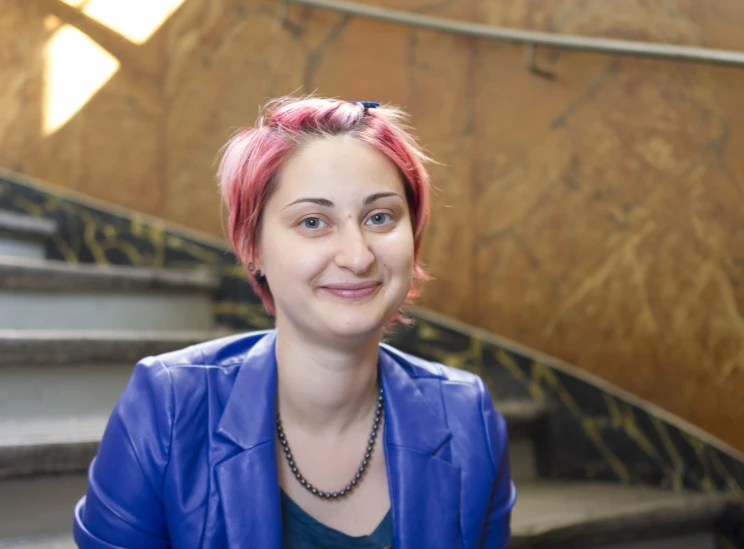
<point x="352" y="291"/>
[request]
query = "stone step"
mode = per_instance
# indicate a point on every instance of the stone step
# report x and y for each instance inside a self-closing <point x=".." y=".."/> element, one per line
<point x="48" y="295"/>
<point x="38" y="512"/>
<point x="57" y="390"/>
<point x="55" y="542"/>
<point x="75" y="347"/>
<point x="69" y="375"/>
<point x="48" y="446"/>
<point x="24" y="235"/>
<point x="558" y="515"/>
<point x="526" y="423"/>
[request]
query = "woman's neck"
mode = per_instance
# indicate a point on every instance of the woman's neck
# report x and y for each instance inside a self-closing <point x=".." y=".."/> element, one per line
<point x="325" y="388"/>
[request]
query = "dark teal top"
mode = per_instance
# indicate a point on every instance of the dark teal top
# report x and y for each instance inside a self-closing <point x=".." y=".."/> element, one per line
<point x="301" y="531"/>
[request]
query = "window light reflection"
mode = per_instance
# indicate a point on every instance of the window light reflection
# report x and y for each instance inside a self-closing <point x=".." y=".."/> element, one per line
<point x="136" y="20"/>
<point x="75" y="69"/>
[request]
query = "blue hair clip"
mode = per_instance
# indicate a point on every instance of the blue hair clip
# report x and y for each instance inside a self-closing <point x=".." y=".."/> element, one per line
<point x="367" y="104"/>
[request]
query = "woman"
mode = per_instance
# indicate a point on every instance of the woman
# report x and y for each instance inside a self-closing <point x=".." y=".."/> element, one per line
<point x="313" y="434"/>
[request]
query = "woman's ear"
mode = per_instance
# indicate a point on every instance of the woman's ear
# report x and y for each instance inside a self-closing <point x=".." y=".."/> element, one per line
<point x="253" y="264"/>
<point x="254" y="268"/>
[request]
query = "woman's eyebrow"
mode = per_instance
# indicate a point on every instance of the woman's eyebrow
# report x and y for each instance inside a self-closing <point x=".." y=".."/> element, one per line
<point x="328" y="204"/>
<point x="371" y="198"/>
<point x="319" y="201"/>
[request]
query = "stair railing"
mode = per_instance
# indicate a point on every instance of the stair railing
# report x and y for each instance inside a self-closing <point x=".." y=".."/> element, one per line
<point x="531" y="39"/>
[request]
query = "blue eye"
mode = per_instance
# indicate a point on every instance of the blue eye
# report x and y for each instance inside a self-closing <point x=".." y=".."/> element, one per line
<point x="312" y="223"/>
<point x="380" y="218"/>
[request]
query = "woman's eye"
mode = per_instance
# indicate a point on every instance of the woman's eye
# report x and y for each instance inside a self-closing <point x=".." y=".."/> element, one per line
<point x="380" y="218"/>
<point x="312" y="223"/>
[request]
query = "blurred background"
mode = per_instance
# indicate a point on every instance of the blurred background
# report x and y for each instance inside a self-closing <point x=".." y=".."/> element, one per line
<point x="590" y="207"/>
<point x="597" y="216"/>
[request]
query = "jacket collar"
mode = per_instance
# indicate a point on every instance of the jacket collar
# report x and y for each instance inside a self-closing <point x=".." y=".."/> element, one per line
<point x="424" y="486"/>
<point x="248" y="419"/>
<point x="413" y="419"/>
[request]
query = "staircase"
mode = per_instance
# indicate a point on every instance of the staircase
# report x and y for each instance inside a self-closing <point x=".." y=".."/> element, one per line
<point x="70" y="335"/>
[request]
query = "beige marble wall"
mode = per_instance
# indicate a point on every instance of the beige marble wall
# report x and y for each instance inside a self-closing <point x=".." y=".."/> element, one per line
<point x="598" y="216"/>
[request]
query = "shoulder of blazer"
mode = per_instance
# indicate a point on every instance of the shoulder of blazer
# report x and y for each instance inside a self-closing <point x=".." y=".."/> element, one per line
<point x="418" y="367"/>
<point x="465" y="401"/>
<point x="222" y="352"/>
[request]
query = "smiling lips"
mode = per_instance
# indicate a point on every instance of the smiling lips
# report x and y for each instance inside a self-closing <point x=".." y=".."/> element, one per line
<point x="352" y="291"/>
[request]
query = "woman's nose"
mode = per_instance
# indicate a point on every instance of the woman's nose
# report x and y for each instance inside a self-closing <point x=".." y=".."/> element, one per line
<point x="353" y="251"/>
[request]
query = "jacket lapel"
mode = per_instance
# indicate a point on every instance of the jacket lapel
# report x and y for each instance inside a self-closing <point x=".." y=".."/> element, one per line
<point x="424" y="485"/>
<point x="248" y="480"/>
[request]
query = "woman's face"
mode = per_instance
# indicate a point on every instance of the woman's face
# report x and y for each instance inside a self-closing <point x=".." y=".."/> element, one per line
<point x="336" y="240"/>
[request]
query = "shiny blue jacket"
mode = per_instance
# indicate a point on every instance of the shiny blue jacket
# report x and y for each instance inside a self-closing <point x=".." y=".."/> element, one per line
<point x="188" y="459"/>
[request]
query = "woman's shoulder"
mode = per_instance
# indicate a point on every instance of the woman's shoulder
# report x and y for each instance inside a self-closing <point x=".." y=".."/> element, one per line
<point x="418" y="367"/>
<point x="187" y="375"/>
<point x="461" y="392"/>
<point x="465" y="399"/>
<point x="223" y="352"/>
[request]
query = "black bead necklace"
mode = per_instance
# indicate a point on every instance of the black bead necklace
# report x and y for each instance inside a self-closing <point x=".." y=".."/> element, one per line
<point x="349" y="487"/>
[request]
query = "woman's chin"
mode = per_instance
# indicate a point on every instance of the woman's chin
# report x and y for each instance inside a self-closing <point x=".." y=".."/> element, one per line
<point x="359" y="323"/>
<point x="357" y="327"/>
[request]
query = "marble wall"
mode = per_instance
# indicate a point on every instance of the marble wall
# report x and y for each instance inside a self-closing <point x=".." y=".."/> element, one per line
<point x="597" y="216"/>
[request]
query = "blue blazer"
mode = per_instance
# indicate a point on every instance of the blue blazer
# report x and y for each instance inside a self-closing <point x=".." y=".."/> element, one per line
<point x="188" y="459"/>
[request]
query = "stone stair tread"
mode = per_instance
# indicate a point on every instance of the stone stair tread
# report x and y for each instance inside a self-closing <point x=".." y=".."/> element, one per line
<point x="36" y="509"/>
<point x="48" y="431"/>
<point x="56" y="542"/>
<point x="570" y="514"/>
<point x="18" y="273"/>
<point x="522" y="411"/>
<point x="34" y="347"/>
<point x="43" y="446"/>
<point x="26" y="226"/>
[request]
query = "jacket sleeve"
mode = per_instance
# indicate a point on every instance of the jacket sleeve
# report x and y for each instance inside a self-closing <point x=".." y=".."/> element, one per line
<point x="497" y="529"/>
<point x="123" y="507"/>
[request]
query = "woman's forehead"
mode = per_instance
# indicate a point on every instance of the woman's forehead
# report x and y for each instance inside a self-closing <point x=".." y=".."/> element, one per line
<point x="339" y="166"/>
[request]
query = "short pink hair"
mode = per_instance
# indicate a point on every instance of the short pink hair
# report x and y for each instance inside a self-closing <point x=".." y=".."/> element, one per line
<point x="253" y="156"/>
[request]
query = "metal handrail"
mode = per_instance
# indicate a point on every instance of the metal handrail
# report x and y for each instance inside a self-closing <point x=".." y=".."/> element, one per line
<point x="532" y="38"/>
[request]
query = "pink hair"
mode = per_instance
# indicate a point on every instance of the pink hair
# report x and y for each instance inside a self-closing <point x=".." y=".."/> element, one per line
<point x="253" y="156"/>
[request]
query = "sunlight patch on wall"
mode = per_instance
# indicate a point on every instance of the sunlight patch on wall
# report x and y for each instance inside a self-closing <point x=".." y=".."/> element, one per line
<point x="136" y="20"/>
<point x="75" y="69"/>
<point x="51" y="23"/>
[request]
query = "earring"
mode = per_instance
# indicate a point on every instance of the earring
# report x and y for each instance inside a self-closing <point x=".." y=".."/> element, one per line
<point x="250" y="267"/>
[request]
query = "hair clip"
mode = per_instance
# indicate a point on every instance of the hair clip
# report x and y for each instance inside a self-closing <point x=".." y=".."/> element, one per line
<point x="367" y="104"/>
